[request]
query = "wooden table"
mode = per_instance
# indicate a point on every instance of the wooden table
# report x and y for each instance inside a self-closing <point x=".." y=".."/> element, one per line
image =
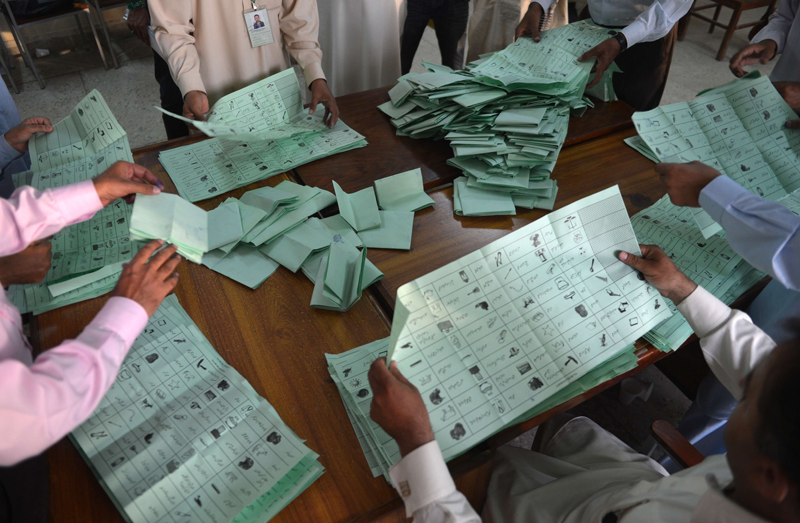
<point x="277" y="342"/>
<point x="389" y="154"/>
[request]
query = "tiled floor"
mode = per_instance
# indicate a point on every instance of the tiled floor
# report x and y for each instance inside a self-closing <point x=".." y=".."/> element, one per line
<point x="131" y="91"/>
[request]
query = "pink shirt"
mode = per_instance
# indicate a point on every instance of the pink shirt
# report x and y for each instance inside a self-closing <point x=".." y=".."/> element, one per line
<point x="43" y="400"/>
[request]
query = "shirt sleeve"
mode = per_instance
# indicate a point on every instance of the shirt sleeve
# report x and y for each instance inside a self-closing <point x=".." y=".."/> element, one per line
<point x="174" y="33"/>
<point x="732" y="345"/>
<point x="430" y="496"/>
<point x="31" y="215"/>
<point x="7" y="153"/>
<point x="42" y="403"/>
<point x="764" y="233"/>
<point x="300" y="28"/>
<point x="544" y="3"/>
<point x="656" y="21"/>
<point x="780" y="22"/>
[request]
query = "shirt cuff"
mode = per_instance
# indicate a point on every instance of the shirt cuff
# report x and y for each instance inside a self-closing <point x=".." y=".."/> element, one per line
<point x="7" y="153"/>
<point x="189" y="83"/>
<point x="77" y="201"/>
<point x="718" y="195"/>
<point x="313" y="71"/>
<point x="634" y="32"/>
<point x="123" y="316"/>
<point x="768" y="34"/>
<point x="422" y="477"/>
<point x="544" y="3"/>
<point x="703" y="311"/>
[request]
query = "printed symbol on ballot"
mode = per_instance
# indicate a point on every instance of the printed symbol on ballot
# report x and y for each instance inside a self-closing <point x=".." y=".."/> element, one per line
<point x="581" y="310"/>
<point x="571" y="222"/>
<point x="535" y="239"/>
<point x="524" y="368"/>
<point x="274" y="438"/>
<point x="363" y="393"/>
<point x="445" y="327"/>
<point x="535" y="383"/>
<point x="476" y="373"/>
<point x="458" y="432"/>
<point x="448" y="412"/>
<point x="464" y="276"/>
<point x="246" y="464"/>
<point x="436" y="396"/>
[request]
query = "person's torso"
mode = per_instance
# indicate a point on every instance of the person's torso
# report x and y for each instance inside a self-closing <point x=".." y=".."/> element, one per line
<point x="617" y="13"/>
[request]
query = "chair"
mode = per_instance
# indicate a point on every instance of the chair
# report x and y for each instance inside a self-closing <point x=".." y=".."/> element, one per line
<point x="738" y="6"/>
<point x="16" y="23"/>
<point x="675" y="445"/>
<point x="99" y="6"/>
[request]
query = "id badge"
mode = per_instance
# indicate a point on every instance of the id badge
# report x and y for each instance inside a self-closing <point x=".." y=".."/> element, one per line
<point x="258" y="28"/>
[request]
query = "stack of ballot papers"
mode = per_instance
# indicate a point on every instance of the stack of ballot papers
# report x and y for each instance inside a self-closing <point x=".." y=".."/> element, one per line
<point x="738" y="129"/>
<point x="181" y="436"/>
<point x="505" y="116"/>
<point x="88" y="256"/>
<point x="710" y="262"/>
<point x="261" y="130"/>
<point x="510" y="330"/>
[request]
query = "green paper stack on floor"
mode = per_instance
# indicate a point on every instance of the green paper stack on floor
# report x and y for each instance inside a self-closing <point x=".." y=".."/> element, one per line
<point x="505" y="116"/>
<point x="202" y="412"/>
<point x="86" y="257"/>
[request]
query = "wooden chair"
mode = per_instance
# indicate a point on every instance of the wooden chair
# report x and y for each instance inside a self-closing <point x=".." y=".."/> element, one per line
<point x="738" y="6"/>
<point x="17" y="23"/>
<point x="675" y="445"/>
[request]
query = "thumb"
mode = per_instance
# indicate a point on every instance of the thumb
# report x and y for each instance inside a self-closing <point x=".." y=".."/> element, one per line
<point x="393" y="368"/>
<point x="379" y="375"/>
<point x="793" y="124"/>
<point x="133" y="187"/>
<point x="42" y="128"/>
<point x="631" y="260"/>
<point x="588" y="55"/>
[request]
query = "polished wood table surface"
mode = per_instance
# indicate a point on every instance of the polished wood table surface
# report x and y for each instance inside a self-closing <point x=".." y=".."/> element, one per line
<point x="277" y="341"/>
<point x="389" y="154"/>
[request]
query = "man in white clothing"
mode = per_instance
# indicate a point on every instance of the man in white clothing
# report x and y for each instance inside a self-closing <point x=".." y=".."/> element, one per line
<point x="584" y="474"/>
<point x="642" y="38"/>
<point x="780" y="36"/>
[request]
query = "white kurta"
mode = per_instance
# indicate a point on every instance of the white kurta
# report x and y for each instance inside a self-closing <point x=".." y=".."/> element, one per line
<point x="361" y="39"/>
<point x="584" y="472"/>
<point x="493" y="23"/>
<point x="784" y="29"/>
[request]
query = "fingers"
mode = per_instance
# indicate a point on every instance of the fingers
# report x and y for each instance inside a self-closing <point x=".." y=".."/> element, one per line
<point x="161" y="257"/>
<point x="793" y="124"/>
<point x="395" y="370"/>
<point x="168" y="268"/>
<point x="128" y="188"/>
<point x="144" y="174"/>
<point x="597" y="77"/>
<point x="379" y="376"/>
<point x="39" y="120"/>
<point x="327" y="116"/>
<point x="633" y="261"/>
<point x="145" y="252"/>
<point x="187" y="113"/>
<point x="334" y="108"/>
<point x="315" y="99"/>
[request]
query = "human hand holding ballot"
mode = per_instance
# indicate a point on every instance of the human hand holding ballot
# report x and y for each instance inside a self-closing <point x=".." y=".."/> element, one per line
<point x="660" y="272"/>
<point x="605" y="52"/>
<point x="124" y="180"/>
<point x="146" y="280"/>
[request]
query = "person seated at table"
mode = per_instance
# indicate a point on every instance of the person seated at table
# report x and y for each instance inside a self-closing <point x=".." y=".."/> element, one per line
<point x="210" y="54"/>
<point x="642" y="48"/>
<point x="781" y="36"/>
<point x="767" y="235"/>
<point x="584" y="473"/>
<point x="44" y="399"/>
<point x="14" y="136"/>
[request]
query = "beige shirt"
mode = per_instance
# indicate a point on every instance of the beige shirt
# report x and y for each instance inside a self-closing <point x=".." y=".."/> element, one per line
<point x="585" y="472"/>
<point x="207" y="47"/>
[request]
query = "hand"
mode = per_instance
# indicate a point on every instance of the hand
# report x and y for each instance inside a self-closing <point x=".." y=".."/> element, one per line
<point x="148" y="282"/>
<point x="660" y="272"/>
<point x="321" y="94"/>
<point x="684" y="181"/>
<point x="529" y="25"/>
<point x="195" y="105"/>
<point x="18" y="136"/>
<point x="28" y="266"/>
<point x="123" y="180"/>
<point x="762" y="52"/>
<point x="138" y="21"/>
<point x="790" y="92"/>
<point x="398" y="407"/>
<point x="605" y="52"/>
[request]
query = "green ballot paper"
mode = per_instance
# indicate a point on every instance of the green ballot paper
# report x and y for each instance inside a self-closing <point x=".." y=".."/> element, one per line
<point x="170" y="218"/>
<point x="402" y="192"/>
<point x="394" y="232"/>
<point x="360" y="209"/>
<point x="340" y="280"/>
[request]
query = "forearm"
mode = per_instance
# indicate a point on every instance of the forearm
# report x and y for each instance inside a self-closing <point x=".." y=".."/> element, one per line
<point x="300" y="29"/>
<point x="174" y="33"/>
<point x="42" y="403"/>
<point x="764" y="233"/>
<point x="31" y="215"/>
<point x="430" y="496"/>
<point x="658" y="20"/>
<point x="732" y="345"/>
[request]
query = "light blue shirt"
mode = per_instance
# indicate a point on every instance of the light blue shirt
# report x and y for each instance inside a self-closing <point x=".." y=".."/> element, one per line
<point x="11" y="160"/>
<point x="767" y="235"/>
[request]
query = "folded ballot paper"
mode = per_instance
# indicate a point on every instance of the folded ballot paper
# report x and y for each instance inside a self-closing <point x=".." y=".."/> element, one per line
<point x="738" y="129"/>
<point x="182" y="436"/>
<point x="261" y="130"/>
<point x="505" y="116"/>
<point x="510" y="330"/>
<point x="87" y="256"/>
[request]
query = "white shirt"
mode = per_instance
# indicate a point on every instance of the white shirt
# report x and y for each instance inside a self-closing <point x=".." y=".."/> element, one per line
<point x="785" y="32"/>
<point x="642" y="20"/>
<point x="626" y="483"/>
